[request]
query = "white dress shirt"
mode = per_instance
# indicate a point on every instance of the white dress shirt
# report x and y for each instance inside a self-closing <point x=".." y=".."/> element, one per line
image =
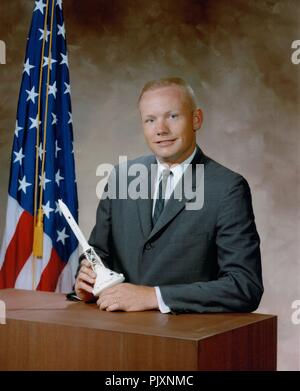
<point x="177" y="172"/>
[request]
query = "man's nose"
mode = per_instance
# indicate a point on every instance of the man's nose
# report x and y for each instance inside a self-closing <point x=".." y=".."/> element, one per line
<point x="162" y="127"/>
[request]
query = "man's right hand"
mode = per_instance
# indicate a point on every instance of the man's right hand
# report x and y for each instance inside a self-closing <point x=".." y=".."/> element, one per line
<point x="85" y="281"/>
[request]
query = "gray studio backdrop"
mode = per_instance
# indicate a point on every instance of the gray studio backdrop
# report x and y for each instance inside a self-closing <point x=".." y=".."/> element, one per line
<point x="237" y="56"/>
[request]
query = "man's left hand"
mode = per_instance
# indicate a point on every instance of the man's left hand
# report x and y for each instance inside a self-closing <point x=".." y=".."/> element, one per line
<point x="128" y="297"/>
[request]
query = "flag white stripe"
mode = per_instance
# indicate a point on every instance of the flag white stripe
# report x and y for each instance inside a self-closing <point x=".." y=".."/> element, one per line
<point x="25" y="277"/>
<point x="13" y="214"/>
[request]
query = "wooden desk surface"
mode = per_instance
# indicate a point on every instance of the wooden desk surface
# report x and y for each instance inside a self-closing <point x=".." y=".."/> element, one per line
<point x="44" y="331"/>
<point x="54" y="308"/>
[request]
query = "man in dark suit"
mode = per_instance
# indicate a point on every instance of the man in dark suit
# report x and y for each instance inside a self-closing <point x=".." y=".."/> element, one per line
<point x="176" y="258"/>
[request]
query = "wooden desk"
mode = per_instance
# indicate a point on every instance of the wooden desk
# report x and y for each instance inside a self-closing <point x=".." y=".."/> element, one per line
<point x="43" y="331"/>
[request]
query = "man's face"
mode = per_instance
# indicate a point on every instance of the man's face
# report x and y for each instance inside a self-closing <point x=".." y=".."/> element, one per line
<point x="169" y="123"/>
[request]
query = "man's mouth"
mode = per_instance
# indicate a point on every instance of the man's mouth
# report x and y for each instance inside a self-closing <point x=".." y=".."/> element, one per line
<point x="165" y="143"/>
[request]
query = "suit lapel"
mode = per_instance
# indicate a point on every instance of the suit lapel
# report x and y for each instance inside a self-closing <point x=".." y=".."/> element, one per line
<point x="174" y="206"/>
<point x="145" y="205"/>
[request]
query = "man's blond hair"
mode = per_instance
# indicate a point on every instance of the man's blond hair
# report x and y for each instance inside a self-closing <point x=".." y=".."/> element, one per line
<point x="171" y="81"/>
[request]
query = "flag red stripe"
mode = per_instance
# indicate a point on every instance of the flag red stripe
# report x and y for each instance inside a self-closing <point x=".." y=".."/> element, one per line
<point x="18" y="251"/>
<point x="51" y="273"/>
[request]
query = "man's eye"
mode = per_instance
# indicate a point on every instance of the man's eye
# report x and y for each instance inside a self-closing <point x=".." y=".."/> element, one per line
<point x="149" y="121"/>
<point x="173" y="116"/>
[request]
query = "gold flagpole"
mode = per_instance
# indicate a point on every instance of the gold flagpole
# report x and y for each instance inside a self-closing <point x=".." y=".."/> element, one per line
<point x="34" y="249"/>
<point x="38" y="211"/>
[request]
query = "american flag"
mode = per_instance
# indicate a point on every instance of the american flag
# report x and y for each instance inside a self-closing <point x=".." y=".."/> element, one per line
<point x="38" y="180"/>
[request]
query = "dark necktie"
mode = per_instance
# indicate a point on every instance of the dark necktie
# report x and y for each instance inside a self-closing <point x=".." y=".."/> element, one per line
<point x="160" y="200"/>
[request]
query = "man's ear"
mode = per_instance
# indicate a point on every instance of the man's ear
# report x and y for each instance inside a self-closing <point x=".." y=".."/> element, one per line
<point x="197" y="119"/>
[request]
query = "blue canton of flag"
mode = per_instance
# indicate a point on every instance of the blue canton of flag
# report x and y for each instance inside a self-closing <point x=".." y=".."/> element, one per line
<point x="43" y="125"/>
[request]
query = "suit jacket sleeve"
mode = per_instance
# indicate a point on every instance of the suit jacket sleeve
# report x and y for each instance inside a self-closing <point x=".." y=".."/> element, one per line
<point x="238" y="287"/>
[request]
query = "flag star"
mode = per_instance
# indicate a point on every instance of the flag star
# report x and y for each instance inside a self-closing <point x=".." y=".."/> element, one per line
<point x="70" y="118"/>
<point x="27" y="67"/>
<point x="31" y="95"/>
<point x="57" y="149"/>
<point x="58" y="178"/>
<point x="19" y="156"/>
<point x="17" y="129"/>
<point x="61" y="235"/>
<point x="23" y="184"/>
<point x="58" y="2"/>
<point x="54" y="120"/>
<point x="46" y="60"/>
<point x="57" y="209"/>
<point x="34" y="122"/>
<point x="52" y="89"/>
<point x="47" y="209"/>
<point x="68" y="88"/>
<point x="64" y="59"/>
<point x="40" y="151"/>
<point x="45" y="181"/>
<point x="61" y="30"/>
<point x="39" y="5"/>
<point x="42" y="34"/>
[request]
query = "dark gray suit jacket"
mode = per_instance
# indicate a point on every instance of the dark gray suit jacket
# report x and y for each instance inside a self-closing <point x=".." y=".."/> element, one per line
<point x="205" y="260"/>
